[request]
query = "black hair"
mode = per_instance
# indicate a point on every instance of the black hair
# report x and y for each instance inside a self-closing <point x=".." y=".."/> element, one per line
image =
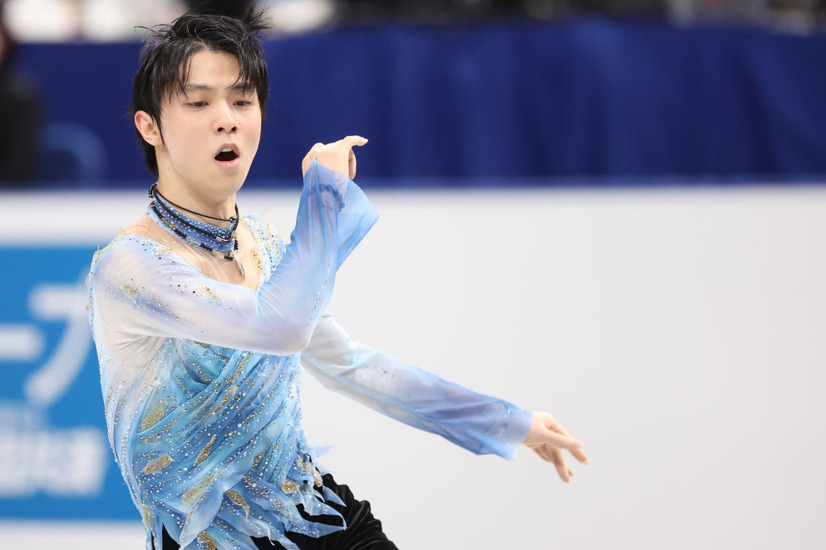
<point x="168" y="49"/>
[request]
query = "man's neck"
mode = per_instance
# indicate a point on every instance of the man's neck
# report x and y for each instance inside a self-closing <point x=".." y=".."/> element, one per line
<point x="199" y="206"/>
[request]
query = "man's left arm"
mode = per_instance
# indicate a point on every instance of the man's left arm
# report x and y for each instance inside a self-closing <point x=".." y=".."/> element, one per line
<point x="479" y="423"/>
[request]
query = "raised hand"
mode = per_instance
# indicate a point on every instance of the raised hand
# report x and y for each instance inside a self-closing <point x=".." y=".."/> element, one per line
<point x="336" y="156"/>
<point x="548" y="439"/>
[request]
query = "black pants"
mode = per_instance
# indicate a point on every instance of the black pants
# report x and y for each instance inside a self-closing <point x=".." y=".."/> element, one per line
<point x="363" y="531"/>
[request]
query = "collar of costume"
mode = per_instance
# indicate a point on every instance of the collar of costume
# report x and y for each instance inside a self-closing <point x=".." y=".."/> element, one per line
<point x="194" y="231"/>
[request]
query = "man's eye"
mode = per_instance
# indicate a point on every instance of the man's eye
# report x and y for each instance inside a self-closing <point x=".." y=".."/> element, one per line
<point x="197" y="103"/>
<point x="243" y="103"/>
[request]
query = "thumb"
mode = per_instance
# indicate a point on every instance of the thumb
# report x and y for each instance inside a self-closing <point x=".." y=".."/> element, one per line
<point x="354" y="141"/>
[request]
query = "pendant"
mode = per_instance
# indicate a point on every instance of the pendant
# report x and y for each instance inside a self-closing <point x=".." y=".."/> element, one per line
<point x="240" y="267"/>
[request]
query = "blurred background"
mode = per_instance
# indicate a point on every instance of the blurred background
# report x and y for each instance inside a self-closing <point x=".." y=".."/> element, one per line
<point x="615" y="211"/>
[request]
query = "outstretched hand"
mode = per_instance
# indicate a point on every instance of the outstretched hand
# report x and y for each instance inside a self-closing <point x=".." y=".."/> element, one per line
<point x="548" y="439"/>
<point x="336" y="156"/>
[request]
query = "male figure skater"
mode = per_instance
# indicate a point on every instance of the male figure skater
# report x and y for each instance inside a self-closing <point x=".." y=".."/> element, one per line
<point x="202" y="320"/>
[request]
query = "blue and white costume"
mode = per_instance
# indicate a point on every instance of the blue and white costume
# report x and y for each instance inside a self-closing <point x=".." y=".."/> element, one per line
<point x="199" y="377"/>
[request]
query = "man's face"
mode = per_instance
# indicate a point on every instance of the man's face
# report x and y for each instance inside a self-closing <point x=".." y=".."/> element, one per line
<point x="211" y="132"/>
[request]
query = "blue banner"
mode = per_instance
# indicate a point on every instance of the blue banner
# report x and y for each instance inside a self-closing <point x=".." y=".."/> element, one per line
<point x="55" y="459"/>
<point x="486" y="103"/>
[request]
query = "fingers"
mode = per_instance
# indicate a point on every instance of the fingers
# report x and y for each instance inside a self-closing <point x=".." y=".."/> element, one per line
<point x="577" y="453"/>
<point x="349" y="142"/>
<point x="546" y="429"/>
<point x="555" y="457"/>
<point x="548" y="439"/>
<point x="354" y="141"/>
<point x="545" y="453"/>
<point x="338" y="156"/>
<point x="352" y="164"/>
<point x="561" y="441"/>
<point x="564" y="472"/>
<point x="580" y="456"/>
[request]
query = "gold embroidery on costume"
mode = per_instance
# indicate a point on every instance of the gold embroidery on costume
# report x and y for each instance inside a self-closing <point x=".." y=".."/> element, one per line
<point x="157" y="464"/>
<point x="131" y="291"/>
<point x="206" y="538"/>
<point x="230" y="393"/>
<point x="191" y="496"/>
<point x="146" y="516"/>
<point x="210" y="292"/>
<point x="289" y="486"/>
<point x="204" y="454"/>
<point x="257" y="460"/>
<point x="154" y="416"/>
<point x="238" y="499"/>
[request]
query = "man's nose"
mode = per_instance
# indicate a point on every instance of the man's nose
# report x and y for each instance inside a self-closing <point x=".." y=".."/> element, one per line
<point x="225" y="123"/>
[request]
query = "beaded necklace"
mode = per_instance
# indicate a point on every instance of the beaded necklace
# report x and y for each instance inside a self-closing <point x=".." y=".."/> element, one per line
<point x="220" y="240"/>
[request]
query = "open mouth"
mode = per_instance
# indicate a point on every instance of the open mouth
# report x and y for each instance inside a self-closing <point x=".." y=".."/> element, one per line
<point x="226" y="155"/>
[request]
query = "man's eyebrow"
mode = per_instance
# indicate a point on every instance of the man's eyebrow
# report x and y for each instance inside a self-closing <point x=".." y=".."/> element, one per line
<point x="205" y="88"/>
<point x="198" y="88"/>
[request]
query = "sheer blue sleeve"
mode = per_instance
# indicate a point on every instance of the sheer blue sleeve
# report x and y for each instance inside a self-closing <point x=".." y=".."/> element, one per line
<point x="146" y="289"/>
<point x="476" y="422"/>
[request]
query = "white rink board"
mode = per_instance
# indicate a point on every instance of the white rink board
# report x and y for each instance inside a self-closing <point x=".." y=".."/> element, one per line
<point x="72" y="535"/>
<point x="678" y="331"/>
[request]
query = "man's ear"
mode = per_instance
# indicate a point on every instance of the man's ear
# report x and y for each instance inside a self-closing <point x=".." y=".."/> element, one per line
<point x="148" y="128"/>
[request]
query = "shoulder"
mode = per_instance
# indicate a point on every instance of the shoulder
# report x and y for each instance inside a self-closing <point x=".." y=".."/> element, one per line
<point x="143" y="239"/>
<point x="131" y="255"/>
<point x="128" y="246"/>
